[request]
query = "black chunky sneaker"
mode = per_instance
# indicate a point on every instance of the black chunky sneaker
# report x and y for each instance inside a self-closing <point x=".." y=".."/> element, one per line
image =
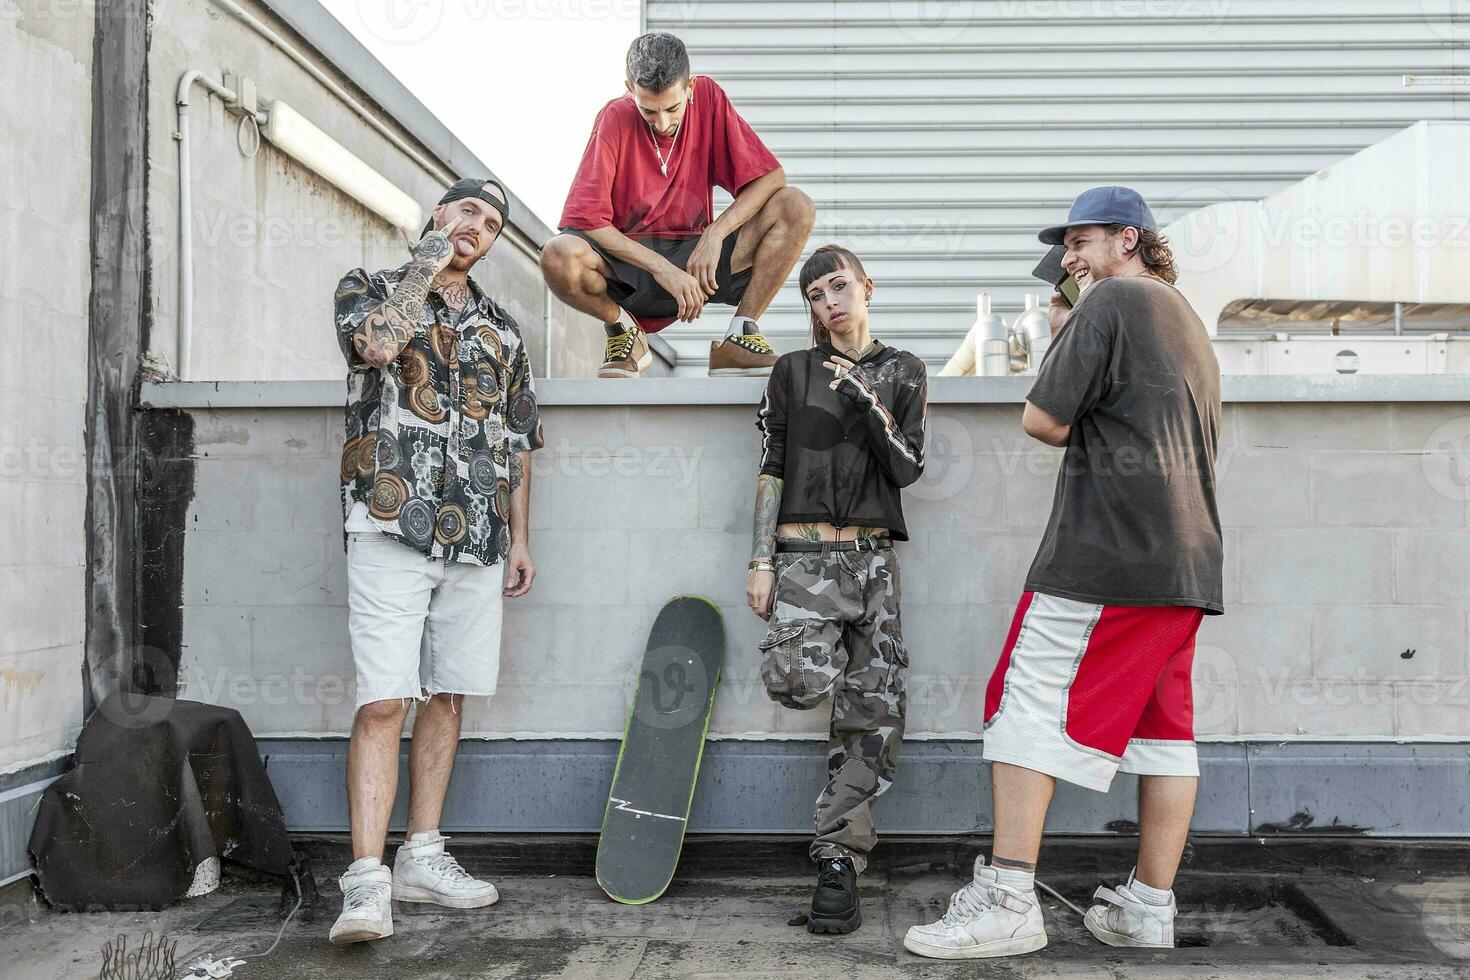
<point x="835" y="906"/>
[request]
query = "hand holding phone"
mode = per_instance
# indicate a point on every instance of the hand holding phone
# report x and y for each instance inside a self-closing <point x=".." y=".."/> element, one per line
<point x="1058" y="312"/>
<point x="1049" y="270"/>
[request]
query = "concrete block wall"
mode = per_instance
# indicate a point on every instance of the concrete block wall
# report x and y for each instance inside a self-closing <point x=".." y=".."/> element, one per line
<point x="44" y="286"/>
<point x="1346" y="544"/>
<point x="1346" y="530"/>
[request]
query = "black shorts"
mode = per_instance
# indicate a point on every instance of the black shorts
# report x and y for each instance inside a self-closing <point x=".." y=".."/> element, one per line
<point x="636" y="291"/>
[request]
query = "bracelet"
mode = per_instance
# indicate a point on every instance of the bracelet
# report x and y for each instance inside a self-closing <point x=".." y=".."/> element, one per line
<point x="763" y="564"/>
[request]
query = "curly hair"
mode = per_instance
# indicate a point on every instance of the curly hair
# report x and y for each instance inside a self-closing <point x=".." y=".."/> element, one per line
<point x="1154" y="250"/>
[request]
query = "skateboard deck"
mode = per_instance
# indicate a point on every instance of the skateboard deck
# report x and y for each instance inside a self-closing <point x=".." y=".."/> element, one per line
<point x="653" y="784"/>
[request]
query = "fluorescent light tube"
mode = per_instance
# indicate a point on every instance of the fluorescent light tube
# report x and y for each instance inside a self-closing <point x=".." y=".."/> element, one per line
<point x="294" y="135"/>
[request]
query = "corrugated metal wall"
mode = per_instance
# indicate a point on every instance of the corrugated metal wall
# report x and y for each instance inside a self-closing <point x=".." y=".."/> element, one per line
<point x="936" y="137"/>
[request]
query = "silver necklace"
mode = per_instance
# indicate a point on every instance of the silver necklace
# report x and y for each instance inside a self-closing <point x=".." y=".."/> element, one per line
<point x="663" y="165"/>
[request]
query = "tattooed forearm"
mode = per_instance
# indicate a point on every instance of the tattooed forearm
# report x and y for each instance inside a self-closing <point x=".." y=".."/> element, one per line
<point x="516" y="471"/>
<point x="520" y="498"/>
<point x="767" y="511"/>
<point x="387" y="330"/>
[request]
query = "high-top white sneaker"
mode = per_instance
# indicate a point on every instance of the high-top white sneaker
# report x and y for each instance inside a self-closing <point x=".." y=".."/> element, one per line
<point x="367" y="912"/>
<point x="985" y="918"/>
<point x="1121" y="918"/>
<point x="424" y="872"/>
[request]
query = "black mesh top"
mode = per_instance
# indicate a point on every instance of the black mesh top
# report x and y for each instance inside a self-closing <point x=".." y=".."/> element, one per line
<point x="844" y="455"/>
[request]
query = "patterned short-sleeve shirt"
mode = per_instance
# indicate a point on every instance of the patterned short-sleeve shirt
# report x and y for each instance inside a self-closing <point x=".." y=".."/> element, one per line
<point x="431" y="440"/>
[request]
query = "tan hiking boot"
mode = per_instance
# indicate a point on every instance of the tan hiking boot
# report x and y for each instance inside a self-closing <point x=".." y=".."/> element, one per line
<point x="627" y="354"/>
<point x="741" y="354"/>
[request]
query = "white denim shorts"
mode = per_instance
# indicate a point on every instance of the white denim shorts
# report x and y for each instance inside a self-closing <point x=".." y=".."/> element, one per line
<point x="420" y="627"/>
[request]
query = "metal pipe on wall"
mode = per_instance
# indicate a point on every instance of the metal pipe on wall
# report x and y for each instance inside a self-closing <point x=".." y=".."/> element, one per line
<point x="185" y="319"/>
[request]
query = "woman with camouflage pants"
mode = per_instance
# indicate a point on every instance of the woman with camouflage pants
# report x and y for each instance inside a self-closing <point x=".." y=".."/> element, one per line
<point x="843" y="432"/>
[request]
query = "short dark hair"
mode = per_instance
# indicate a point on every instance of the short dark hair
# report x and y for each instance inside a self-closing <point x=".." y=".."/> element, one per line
<point x="656" y="61"/>
<point x="1154" y="250"/>
<point x="823" y="262"/>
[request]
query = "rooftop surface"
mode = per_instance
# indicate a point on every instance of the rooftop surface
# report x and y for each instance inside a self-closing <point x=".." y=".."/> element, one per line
<point x="1257" y="908"/>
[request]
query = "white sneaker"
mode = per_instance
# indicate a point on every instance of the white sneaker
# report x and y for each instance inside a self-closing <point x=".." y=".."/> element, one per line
<point x="985" y="918"/>
<point x="424" y="872"/>
<point x="1124" y="919"/>
<point x="367" y="912"/>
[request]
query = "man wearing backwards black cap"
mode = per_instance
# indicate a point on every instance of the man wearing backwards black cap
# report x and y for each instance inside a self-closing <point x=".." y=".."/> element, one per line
<point x="1095" y="674"/>
<point x="441" y="421"/>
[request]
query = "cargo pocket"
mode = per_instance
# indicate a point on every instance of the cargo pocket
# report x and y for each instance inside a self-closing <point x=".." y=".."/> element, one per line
<point x="781" y="664"/>
<point x="898" y="668"/>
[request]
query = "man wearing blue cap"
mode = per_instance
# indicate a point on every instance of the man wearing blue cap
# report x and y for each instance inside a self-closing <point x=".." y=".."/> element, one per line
<point x="1095" y="674"/>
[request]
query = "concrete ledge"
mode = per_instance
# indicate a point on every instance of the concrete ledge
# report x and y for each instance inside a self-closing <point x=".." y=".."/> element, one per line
<point x="943" y="788"/>
<point x="747" y="391"/>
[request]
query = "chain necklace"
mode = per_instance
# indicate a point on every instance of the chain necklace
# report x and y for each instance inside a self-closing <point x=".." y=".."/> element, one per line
<point x="663" y="165"/>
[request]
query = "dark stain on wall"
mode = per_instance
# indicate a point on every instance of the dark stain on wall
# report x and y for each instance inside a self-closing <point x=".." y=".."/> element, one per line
<point x="118" y="314"/>
<point x="165" y="488"/>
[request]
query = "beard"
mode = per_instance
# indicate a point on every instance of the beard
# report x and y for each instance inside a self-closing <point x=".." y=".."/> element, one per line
<point x="464" y="263"/>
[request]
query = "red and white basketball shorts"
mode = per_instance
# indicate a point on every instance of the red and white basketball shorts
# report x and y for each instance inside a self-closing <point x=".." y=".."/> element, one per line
<point x="1084" y="690"/>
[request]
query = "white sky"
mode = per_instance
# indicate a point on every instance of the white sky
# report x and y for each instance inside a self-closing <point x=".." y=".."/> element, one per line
<point x="537" y="70"/>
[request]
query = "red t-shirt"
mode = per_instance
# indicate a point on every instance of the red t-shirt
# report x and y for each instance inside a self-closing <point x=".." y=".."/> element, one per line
<point x="619" y="182"/>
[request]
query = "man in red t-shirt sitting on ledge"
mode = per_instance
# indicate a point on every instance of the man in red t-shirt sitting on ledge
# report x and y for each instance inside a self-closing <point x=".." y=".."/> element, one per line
<point x="639" y="233"/>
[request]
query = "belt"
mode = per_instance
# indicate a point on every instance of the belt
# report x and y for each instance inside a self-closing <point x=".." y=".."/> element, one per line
<point x="826" y="547"/>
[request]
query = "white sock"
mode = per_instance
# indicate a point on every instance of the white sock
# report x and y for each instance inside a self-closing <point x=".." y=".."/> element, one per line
<point x="1021" y="881"/>
<point x="737" y="325"/>
<point x="1149" y="895"/>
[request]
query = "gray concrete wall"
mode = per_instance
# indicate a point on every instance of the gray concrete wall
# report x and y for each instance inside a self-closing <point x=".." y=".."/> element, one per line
<point x="270" y="237"/>
<point x="1346" y="575"/>
<point x="44" y="284"/>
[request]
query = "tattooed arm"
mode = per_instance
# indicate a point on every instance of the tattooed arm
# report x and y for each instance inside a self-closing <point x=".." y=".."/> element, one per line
<point x="760" y="581"/>
<point x="388" y="328"/>
<point x="520" y="571"/>
<point x="771" y="421"/>
<point x="767" y="510"/>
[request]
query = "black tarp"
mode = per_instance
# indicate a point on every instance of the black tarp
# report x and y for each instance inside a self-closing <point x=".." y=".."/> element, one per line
<point x="158" y="786"/>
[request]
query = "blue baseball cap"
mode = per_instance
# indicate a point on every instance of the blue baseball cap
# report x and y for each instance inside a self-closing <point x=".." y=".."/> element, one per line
<point x="1103" y="206"/>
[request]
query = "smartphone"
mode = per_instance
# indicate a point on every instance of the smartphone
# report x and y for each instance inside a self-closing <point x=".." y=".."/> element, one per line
<point x="1070" y="292"/>
<point x="1049" y="270"/>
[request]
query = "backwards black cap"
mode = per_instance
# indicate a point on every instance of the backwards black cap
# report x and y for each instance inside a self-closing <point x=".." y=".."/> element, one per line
<point x="474" y="187"/>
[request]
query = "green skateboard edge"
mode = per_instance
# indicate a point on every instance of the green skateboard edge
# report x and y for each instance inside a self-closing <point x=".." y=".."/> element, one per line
<point x="693" y="783"/>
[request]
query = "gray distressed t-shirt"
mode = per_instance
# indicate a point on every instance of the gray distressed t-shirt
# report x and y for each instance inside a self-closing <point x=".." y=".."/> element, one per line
<point x="1134" y="520"/>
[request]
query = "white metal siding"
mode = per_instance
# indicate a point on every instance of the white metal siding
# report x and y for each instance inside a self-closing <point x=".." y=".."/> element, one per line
<point x="937" y="137"/>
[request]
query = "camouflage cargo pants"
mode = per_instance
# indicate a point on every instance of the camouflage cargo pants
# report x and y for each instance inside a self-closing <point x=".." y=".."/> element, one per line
<point x="835" y="631"/>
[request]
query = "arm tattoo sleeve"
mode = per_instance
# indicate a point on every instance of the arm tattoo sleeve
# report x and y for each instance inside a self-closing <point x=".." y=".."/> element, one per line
<point x="767" y="512"/>
<point x="387" y="330"/>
